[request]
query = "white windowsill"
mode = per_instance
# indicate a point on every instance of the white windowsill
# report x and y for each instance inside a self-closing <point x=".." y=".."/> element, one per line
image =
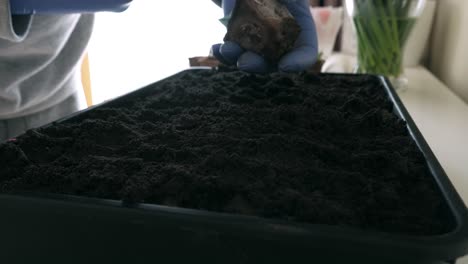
<point x="442" y="118"/>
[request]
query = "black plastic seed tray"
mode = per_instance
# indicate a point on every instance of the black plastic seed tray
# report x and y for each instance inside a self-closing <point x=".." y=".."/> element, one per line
<point x="48" y="228"/>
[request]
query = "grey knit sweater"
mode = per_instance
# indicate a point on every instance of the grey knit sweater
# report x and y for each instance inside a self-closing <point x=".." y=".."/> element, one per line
<point x="39" y="59"/>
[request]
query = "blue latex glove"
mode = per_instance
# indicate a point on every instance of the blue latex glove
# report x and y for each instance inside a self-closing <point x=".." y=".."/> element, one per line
<point x="303" y="56"/>
<point x="26" y="7"/>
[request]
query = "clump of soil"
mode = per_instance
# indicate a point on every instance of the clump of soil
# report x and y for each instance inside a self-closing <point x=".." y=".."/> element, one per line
<point x="309" y="148"/>
<point x="263" y="26"/>
<point x="204" y="61"/>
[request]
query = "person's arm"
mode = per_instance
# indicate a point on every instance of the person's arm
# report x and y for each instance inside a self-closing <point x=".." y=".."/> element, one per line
<point x="12" y="28"/>
<point x="66" y="6"/>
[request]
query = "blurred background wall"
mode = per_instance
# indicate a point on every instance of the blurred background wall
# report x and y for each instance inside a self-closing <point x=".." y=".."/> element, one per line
<point x="148" y="42"/>
<point x="448" y="58"/>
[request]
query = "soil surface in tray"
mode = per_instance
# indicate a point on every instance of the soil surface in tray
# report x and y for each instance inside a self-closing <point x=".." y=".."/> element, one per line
<point x="307" y="148"/>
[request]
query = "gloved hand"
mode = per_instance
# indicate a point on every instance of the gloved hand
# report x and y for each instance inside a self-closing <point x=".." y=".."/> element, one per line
<point x="27" y="7"/>
<point x="303" y="56"/>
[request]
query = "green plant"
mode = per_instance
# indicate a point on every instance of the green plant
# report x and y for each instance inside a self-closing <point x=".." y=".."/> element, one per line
<point x="382" y="28"/>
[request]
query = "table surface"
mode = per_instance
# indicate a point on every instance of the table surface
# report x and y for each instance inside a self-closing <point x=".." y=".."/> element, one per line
<point x="442" y="118"/>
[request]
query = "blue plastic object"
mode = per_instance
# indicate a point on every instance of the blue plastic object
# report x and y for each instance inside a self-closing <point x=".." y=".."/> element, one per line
<point x="26" y="7"/>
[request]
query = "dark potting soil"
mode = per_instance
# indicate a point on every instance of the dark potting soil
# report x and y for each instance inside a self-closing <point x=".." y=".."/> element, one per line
<point x="308" y="148"/>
